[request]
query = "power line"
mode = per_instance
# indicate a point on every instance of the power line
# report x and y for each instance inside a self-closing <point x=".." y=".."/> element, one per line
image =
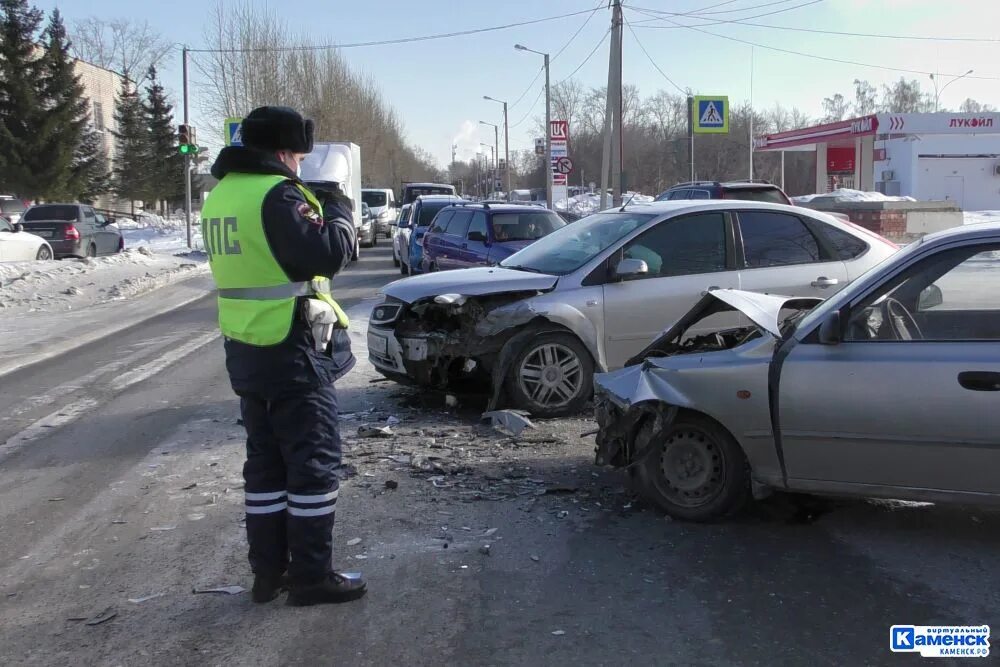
<point x="587" y="59"/>
<point x="653" y="62"/>
<point x="558" y="53"/>
<point x="530" y="109"/>
<point x="738" y="9"/>
<point x="719" y="21"/>
<point x="827" y="58"/>
<point x="402" y="40"/>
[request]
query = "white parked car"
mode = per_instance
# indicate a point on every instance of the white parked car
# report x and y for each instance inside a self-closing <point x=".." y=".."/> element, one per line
<point x="401" y="236"/>
<point x="18" y="246"/>
<point x="591" y="295"/>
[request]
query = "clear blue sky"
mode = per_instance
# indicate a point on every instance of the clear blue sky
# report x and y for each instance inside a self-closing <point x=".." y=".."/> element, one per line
<point x="437" y="86"/>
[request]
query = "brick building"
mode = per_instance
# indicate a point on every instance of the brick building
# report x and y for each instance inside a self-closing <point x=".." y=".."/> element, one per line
<point x="101" y="87"/>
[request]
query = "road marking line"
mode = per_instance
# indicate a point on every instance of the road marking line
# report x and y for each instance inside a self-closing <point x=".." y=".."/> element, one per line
<point x="72" y="411"/>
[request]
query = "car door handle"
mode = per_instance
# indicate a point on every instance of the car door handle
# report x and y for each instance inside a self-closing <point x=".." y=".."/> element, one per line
<point x="465" y="246"/>
<point x="705" y="293"/>
<point x="823" y="281"/>
<point x="979" y="380"/>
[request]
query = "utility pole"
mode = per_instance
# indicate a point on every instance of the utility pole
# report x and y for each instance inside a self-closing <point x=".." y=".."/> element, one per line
<point x="548" y="129"/>
<point x="611" y="159"/>
<point x="751" y="113"/>
<point x="187" y="157"/>
<point x="454" y="152"/>
<point x="506" y="147"/>
<point x="691" y="134"/>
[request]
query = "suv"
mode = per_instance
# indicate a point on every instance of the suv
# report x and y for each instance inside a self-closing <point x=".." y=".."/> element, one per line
<point x="421" y="215"/>
<point x="744" y="190"/>
<point x="411" y="191"/>
<point x="401" y="236"/>
<point x="466" y="235"/>
<point x="74" y="230"/>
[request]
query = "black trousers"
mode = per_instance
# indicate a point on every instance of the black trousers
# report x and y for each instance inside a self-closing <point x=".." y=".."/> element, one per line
<point x="293" y="452"/>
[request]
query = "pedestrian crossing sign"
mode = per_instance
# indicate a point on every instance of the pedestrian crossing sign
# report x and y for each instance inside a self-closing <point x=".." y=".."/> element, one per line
<point x="234" y="134"/>
<point x="711" y="115"/>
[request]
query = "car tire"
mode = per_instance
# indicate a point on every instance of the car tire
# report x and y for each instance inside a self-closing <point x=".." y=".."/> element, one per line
<point x="551" y="376"/>
<point x="403" y="269"/>
<point x="357" y="252"/>
<point x="91" y="250"/>
<point x="696" y="470"/>
<point x="374" y="240"/>
<point x="44" y="254"/>
<point x="395" y="260"/>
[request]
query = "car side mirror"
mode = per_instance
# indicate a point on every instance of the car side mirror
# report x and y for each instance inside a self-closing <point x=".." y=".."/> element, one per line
<point x="477" y="236"/>
<point x="630" y="268"/>
<point x="931" y="297"/>
<point x="18" y="227"/>
<point x="829" y="330"/>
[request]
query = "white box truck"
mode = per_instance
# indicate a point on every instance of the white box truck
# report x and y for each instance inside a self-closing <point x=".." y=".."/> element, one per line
<point x="339" y="162"/>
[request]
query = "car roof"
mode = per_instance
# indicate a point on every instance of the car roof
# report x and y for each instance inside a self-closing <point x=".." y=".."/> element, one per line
<point x="981" y="230"/>
<point x="503" y="208"/>
<point x="424" y="185"/>
<point x="677" y="205"/>
<point x="437" y="198"/>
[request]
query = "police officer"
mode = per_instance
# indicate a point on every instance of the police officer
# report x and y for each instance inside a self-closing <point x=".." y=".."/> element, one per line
<point x="272" y="253"/>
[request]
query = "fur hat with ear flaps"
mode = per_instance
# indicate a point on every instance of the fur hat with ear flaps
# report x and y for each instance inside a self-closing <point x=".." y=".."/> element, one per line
<point x="276" y="129"/>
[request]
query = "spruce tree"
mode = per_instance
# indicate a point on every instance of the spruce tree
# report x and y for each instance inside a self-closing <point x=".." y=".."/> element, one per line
<point x="90" y="167"/>
<point x="166" y="172"/>
<point x="132" y="155"/>
<point x="66" y="114"/>
<point x="21" y="105"/>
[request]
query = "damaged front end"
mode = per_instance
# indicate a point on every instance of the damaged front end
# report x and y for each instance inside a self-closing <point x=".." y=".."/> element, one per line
<point x="714" y="361"/>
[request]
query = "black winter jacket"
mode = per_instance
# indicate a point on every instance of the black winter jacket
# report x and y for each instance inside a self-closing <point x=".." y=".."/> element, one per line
<point x="305" y="247"/>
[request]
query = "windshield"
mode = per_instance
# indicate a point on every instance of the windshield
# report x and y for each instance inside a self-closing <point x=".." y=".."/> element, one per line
<point x="769" y="195"/>
<point x="525" y="226"/>
<point x="568" y="248"/>
<point x="59" y="212"/>
<point x="429" y="210"/>
<point x="374" y="198"/>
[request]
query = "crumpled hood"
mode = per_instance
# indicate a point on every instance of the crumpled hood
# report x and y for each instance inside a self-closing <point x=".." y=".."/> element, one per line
<point x="469" y="282"/>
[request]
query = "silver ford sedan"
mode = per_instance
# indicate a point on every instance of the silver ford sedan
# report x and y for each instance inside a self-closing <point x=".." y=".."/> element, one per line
<point x="890" y="388"/>
<point x="532" y="330"/>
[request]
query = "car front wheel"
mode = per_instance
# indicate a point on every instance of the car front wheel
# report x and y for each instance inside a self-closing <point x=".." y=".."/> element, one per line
<point x="552" y="376"/>
<point x="693" y="469"/>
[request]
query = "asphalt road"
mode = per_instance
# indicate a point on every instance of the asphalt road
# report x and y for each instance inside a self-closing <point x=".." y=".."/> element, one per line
<point x="120" y="480"/>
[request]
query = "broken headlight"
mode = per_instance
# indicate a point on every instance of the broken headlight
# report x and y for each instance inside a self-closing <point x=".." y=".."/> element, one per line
<point x="385" y="313"/>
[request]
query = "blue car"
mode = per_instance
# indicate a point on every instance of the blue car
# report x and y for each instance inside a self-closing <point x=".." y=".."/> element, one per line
<point x="467" y="235"/>
<point x="422" y="213"/>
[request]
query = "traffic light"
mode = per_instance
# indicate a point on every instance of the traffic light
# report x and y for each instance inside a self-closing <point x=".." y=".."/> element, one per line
<point x="187" y="142"/>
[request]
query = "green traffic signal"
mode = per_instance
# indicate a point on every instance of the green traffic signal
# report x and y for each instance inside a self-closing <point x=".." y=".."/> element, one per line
<point x="188" y="149"/>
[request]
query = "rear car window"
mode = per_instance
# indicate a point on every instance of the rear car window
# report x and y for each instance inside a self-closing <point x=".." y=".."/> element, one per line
<point x="477" y="230"/>
<point x="58" y="212"/>
<point x="411" y="194"/>
<point x="428" y="211"/>
<point x="768" y="195"/>
<point x="459" y="225"/>
<point x="776" y="239"/>
<point x="527" y="226"/>
<point x="845" y="245"/>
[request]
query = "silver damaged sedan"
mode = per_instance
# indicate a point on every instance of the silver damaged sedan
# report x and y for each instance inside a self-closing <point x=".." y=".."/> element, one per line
<point x="890" y="388"/>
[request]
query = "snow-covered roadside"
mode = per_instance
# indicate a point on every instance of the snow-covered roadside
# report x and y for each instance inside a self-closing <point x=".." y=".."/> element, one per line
<point x="977" y="217"/>
<point x="156" y="255"/>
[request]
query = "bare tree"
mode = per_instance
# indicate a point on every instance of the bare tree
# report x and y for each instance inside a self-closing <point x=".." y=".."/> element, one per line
<point x="122" y="45"/>
<point x="835" y="108"/>
<point x="865" y="98"/>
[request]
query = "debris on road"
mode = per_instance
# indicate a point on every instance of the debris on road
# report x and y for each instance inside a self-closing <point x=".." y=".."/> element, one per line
<point x="491" y="532"/>
<point x="558" y="633"/>
<point x="391" y="484"/>
<point x="228" y="590"/>
<point x="56" y="500"/>
<point x="146" y="598"/>
<point x="535" y="558"/>
<point x="511" y="421"/>
<point x="103" y="617"/>
<point x="485" y="550"/>
<point x="393" y="420"/>
<point x="369" y="431"/>
<point x="451" y="401"/>
<point x="161" y="529"/>
<point x="189" y="486"/>
<point x="353" y="541"/>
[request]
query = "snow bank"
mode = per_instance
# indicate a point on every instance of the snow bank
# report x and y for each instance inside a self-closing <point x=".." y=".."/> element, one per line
<point x="159" y="234"/>
<point x="586" y="204"/>
<point x="977" y="217"/>
<point x="846" y="194"/>
<point x="30" y="287"/>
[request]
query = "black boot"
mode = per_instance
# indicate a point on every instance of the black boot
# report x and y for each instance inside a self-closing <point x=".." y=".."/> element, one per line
<point x="268" y="587"/>
<point x="335" y="588"/>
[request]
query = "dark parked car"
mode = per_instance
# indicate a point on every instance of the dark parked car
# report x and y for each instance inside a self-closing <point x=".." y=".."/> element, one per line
<point x="745" y="190"/>
<point x="74" y="230"/>
<point x="467" y="235"/>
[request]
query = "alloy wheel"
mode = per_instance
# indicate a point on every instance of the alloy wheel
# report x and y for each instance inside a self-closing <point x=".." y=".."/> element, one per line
<point x="551" y="375"/>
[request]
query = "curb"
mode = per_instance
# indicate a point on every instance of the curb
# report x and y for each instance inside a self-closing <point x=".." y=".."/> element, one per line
<point x="82" y="333"/>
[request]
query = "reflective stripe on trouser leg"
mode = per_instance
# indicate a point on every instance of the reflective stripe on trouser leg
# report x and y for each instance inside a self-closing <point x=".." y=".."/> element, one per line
<point x="265" y="495"/>
<point x="306" y="423"/>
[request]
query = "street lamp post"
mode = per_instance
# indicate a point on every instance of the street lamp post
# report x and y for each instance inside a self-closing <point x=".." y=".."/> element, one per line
<point x="496" y="142"/>
<point x="548" y="124"/>
<point x="506" y="137"/>
<point x="493" y="159"/>
<point x="937" y="93"/>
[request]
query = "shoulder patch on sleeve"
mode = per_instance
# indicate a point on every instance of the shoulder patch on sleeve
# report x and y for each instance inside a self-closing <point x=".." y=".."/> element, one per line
<point x="309" y="213"/>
